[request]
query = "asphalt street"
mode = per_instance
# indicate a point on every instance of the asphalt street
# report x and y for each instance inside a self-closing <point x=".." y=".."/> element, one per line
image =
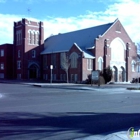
<point x="65" y="113"/>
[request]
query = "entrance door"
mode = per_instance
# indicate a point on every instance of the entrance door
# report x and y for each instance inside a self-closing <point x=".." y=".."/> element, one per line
<point x="123" y="74"/>
<point x="33" y="72"/>
<point x="115" y="74"/>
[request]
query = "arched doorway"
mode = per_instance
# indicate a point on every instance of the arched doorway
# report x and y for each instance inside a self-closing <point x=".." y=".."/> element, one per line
<point x="115" y="73"/>
<point x="117" y="61"/>
<point x="123" y="74"/>
<point x="33" y="71"/>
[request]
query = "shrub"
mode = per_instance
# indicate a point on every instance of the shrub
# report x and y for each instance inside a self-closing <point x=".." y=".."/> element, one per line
<point x="107" y="74"/>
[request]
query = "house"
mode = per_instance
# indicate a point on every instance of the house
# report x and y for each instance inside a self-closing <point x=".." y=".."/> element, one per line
<point x="95" y="48"/>
<point x="91" y="49"/>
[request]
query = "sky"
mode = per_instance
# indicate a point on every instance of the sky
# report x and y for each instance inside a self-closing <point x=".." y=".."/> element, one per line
<point x="60" y="16"/>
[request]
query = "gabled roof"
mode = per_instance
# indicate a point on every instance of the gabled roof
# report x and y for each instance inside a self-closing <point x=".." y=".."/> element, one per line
<point x="86" y="53"/>
<point x="84" y="39"/>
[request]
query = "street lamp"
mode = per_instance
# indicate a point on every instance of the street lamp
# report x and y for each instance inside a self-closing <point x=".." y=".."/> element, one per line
<point x="51" y="67"/>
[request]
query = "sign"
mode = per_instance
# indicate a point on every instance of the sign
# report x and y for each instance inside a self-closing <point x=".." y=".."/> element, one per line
<point x="51" y="67"/>
<point x="95" y="75"/>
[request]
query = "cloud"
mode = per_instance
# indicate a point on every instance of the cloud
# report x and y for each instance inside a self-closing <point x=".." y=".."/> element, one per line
<point x="126" y="10"/>
<point x="2" y="1"/>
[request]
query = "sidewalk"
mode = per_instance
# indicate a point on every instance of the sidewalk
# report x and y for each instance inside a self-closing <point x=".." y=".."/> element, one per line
<point x="114" y="136"/>
<point x="78" y="86"/>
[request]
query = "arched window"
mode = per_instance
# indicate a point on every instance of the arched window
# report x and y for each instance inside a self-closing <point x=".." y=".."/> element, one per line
<point x="73" y="58"/>
<point x="30" y="37"/>
<point x="37" y="38"/>
<point x="33" y="37"/>
<point x="133" y="65"/>
<point x="117" y="50"/>
<point x="100" y="63"/>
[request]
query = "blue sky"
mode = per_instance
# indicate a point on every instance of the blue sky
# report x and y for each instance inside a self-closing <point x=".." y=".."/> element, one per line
<point x="61" y="16"/>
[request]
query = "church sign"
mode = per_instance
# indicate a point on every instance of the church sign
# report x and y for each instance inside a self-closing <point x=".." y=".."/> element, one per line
<point x="95" y="75"/>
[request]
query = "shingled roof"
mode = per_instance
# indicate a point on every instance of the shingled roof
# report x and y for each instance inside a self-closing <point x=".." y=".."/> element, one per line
<point x="83" y="38"/>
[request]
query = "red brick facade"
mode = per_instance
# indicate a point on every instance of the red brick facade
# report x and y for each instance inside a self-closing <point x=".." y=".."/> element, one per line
<point x="6" y="61"/>
<point x="25" y="58"/>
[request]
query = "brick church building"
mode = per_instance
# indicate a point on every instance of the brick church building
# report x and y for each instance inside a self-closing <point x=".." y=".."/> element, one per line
<point x="95" y="48"/>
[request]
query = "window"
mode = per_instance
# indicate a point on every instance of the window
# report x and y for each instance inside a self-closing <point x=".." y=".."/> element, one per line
<point x="89" y="64"/>
<point x="133" y="65"/>
<point x="34" y="38"/>
<point x="45" y="76"/>
<point x="37" y="38"/>
<point x="33" y="53"/>
<point x="18" y="76"/>
<point x="74" y="57"/>
<point x="72" y="77"/>
<point x="2" y="53"/>
<point x="19" y="37"/>
<point x="2" y="75"/>
<point x="76" y="77"/>
<point x="100" y="63"/>
<point x="18" y="53"/>
<point x="18" y="64"/>
<point x="2" y="66"/>
<point x="62" y="77"/>
<point x="30" y="37"/>
<point x="117" y="50"/>
<point x="54" y="77"/>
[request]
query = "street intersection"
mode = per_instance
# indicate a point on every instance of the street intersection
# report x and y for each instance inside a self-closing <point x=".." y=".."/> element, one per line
<point x="65" y="112"/>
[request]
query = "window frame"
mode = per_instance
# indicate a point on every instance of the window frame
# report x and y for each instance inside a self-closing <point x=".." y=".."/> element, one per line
<point x="2" y="53"/>
<point x="89" y="64"/>
<point x="33" y="53"/>
<point x="18" y="65"/>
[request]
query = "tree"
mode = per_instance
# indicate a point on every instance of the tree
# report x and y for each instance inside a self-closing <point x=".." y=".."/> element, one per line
<point x="65" y="64"/>
<point x="107" y="74"/>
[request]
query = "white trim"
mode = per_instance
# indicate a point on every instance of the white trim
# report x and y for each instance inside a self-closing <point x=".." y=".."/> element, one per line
<point x="78" y="47"/>
<point x="100" y="63"/>
<point x="33" y="26"/>
<point x="119" y="39"/>
<point x="118" y="32"/>
<point x="110" y="26"/>
<point x="101" y="59"/>
<point x="91" y="47"/>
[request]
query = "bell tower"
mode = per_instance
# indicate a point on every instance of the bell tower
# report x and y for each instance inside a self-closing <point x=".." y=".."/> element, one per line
<point x="28" y="44"/>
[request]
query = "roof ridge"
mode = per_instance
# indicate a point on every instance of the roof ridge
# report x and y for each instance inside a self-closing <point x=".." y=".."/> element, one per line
<point x="81" y="29"/>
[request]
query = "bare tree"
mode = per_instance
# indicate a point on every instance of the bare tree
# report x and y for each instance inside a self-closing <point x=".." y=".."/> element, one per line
<point x="65" y="64"/>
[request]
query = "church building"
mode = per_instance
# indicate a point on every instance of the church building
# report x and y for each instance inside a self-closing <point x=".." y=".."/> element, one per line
<point x="95" y="48"/>
<point x="91" y="49"/>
